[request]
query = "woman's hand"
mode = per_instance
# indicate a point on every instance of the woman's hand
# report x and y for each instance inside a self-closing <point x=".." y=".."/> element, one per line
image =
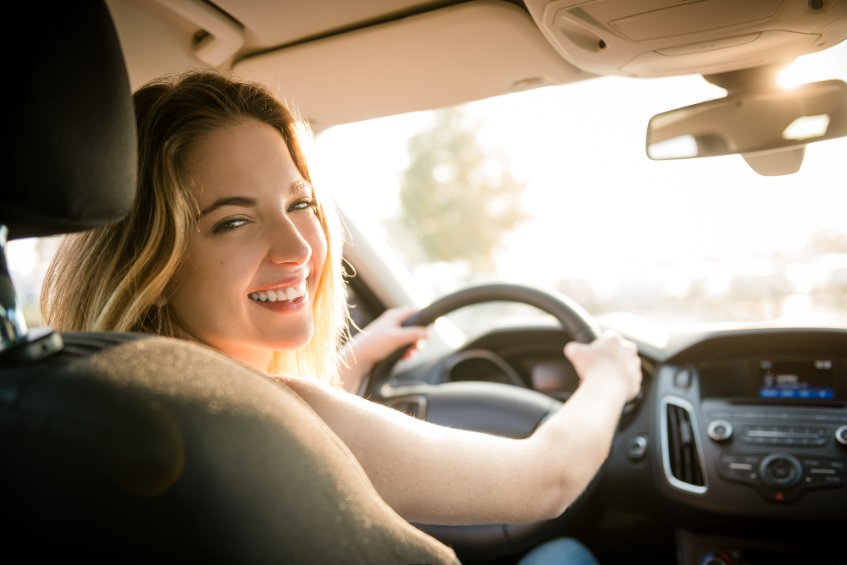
<point x="610" y="357"/>
<point x="377" y="340"/>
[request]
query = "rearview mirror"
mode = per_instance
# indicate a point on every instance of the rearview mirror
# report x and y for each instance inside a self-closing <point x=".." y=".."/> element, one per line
<point x="751" y="122"/>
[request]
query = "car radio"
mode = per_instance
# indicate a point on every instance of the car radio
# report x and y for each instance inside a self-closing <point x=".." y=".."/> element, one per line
<point x="781" y="453"/>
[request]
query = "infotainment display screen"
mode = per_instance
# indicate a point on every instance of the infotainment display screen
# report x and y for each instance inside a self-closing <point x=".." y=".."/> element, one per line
<point x="812" y="379"/>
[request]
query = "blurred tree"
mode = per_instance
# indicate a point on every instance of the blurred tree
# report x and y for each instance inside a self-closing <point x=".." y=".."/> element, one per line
<point x="458" y="198"/>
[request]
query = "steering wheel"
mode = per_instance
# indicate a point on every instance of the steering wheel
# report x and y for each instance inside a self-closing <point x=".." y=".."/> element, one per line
<point x="500" y="409"/>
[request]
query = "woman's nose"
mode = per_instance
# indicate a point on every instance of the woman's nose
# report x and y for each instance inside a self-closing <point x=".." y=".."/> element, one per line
<point x="287" y="244"/>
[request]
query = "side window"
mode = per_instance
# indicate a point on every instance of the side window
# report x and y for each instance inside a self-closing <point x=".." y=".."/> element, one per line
<point x="28" y="260"/>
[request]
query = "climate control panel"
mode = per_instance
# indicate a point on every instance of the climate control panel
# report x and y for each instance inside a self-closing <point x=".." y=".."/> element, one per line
<point x="781" y="455"/>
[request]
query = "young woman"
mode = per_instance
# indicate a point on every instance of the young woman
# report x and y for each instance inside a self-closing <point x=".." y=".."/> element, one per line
<point x="230" y="245"/>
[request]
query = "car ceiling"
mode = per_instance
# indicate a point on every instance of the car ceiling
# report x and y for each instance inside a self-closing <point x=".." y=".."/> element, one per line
<point x="339" y="61"/>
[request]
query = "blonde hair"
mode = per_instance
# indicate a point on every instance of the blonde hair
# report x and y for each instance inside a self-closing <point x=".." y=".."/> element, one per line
<point x="113" y="278"/>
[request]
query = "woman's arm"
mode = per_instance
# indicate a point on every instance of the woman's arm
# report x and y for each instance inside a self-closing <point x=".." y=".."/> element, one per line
<point x="376" y="341"/>
<point x="439" y="475"/>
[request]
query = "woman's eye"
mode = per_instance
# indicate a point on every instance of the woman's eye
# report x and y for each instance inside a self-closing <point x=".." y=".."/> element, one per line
<point x="229" y="225"/>
<point x="304" y="204"/>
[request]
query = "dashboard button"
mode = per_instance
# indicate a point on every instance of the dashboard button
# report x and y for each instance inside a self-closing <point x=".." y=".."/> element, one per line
<point x="637" y="448"/>
<point x="719" y="430"/>
<point x="740" y="468"/>
<point x="832" y="481"/>
<point x="841" y="435"/>
<point x="682" y="379"/>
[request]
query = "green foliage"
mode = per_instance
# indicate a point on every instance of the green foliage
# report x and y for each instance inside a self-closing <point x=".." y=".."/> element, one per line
<point x="458" y="198"/>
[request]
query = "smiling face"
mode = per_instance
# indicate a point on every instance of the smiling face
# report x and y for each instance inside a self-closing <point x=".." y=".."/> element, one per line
<point x="250" y="275"/>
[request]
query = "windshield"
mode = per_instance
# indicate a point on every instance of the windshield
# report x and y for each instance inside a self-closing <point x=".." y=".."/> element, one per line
<point x="552" y="187"/>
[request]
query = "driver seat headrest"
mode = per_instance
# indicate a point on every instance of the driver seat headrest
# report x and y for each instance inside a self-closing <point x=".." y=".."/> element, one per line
<point x="73" y="145"/>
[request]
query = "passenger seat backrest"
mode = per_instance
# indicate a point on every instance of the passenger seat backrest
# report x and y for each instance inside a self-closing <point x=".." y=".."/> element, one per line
<point x="125" y="448"/>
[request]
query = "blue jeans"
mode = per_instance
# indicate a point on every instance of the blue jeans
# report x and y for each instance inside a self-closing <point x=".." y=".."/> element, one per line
<point x="566" y="551"/>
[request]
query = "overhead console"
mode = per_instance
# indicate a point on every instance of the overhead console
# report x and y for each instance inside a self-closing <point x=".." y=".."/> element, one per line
<point x="649" y="38"/>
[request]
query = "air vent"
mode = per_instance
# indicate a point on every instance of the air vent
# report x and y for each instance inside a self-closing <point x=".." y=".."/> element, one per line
<point x="682" y="460"/>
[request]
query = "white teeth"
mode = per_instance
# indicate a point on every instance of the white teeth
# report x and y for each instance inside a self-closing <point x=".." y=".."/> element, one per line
<point x="280" y="294"/>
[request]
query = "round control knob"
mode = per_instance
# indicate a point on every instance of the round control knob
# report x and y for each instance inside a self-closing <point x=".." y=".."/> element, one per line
<point x="637" y="448"/>
<point x="780" y="470"/>
<point x="719" y="430"/>
<point x="841" y="435"/>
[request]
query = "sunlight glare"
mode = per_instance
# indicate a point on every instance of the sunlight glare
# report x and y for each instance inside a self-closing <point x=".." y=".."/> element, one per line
<point x="807" y="127"/>
<point x="676" y="148"/>
<point x="814" y="67"/>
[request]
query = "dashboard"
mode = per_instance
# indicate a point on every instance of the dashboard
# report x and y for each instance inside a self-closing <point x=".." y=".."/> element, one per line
<point x="737" y="443"/>
<point x="754" y="424"/>
<point x="752" y="430"/>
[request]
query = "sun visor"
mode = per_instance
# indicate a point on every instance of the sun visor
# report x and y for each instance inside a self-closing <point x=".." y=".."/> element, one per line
<point x="439" y="58"/>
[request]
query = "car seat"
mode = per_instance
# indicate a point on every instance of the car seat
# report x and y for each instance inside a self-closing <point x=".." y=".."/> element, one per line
<point x="128" y="447"/>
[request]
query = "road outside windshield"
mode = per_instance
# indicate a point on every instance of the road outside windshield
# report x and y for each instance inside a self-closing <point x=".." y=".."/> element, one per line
<point x="552" y="187"/>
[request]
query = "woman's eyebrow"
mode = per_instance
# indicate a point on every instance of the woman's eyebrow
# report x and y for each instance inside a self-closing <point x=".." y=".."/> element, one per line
<point x="297" y="187"/>
<point x="228" y="201"/>
<point x="301" y="186"/>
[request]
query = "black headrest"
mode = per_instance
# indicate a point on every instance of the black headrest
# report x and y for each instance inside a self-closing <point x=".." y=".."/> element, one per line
<point x="71" y="141"/>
